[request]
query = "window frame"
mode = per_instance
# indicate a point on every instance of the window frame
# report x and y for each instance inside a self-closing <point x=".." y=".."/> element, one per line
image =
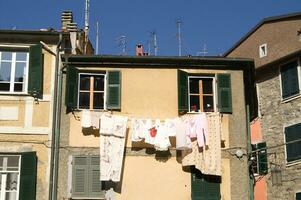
<point x="214" y="88"/>
<point x="289" y="163"/>
<point x="261" y="53"/>
<point x="284" y="100"/>
<point x="8" y="172"/>
<point x="14" y="50"/>
<point x="104" y="74"/>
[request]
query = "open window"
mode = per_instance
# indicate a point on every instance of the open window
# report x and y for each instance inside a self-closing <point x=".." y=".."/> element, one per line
<point x="93" y="90"/>
<point x="259" y="159"/>
<point x="204" y="93"/>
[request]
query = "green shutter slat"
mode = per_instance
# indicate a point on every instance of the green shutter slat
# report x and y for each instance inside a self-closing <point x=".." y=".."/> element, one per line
<point x="114" y="90"/>
<point x="224" y="93"/>
<point x="262" y="158"/>
<point x="182" y="92"/>
<point x="204" y="187"/>
<point x="289" y="79"/>
<point x="80" y="176"/>
<point x="28" y="175"/>
<point x="35" y="74"/>
<point x="95" y="183"/>
<point x="71" y="87"/>
<point x="293" y="150"/>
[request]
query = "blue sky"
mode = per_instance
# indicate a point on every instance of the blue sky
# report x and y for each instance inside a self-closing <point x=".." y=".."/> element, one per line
<point x="218" y="24"/>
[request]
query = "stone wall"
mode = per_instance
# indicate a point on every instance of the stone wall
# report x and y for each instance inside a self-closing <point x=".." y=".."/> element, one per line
<point x="275" y="116"/>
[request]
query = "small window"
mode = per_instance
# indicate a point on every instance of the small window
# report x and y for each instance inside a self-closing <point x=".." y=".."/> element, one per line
<point x="13" y="71"/>
<point x="201" y="94"/>
<point x="259" y="159"/>
<point x="290" y="79"/>
<point x="293" y="142"/>
<point x="86" y="182"/>
<point x="263" y="51"/>
<point x="91" y="91"/>
<point x="9" y="176"/>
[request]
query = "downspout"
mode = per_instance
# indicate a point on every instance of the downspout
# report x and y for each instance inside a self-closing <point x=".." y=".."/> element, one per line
<point x="249" y="151"/>
<point x="55" y="127"/>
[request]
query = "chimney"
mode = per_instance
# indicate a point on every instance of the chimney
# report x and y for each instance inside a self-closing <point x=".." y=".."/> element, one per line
<point x="67" y="19"/>
<point x="139" y="50"/>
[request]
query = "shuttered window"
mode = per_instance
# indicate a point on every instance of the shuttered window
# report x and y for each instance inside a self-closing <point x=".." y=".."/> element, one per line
<point x="298" y="196"/>
<point x="293" y="148"/>
<point x="35" y="78"/>
<point x="289" y="79"/>
<point x="86" y="177"/>
<point x="259" y="159"/>
<point x="204" y="187"/>
<point x="93" y="90"/>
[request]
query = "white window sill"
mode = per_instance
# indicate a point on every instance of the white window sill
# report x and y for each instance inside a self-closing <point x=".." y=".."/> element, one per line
<point x="293" y="163"/>
<point x="288" y="99"/>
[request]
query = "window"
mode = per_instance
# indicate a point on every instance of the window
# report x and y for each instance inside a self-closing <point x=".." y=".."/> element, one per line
<point x="86" y="182"/>
<point x="290" y="79"/>
<point x="13" y="71"/>
<point x="263" y="51"/>
<point x="259" y="159"/>
<point x="298" y="196"/>
<point x="293" y="140"/>
<point x="197" y="93"/>
<point x="91" y="91"/>
<point x="21" y="70"/>
<point x="201" y="94"/>
<point x="17" y="176"/>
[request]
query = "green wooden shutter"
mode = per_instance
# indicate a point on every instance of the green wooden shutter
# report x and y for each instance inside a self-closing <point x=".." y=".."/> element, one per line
<point x="28" y="175"/>
<point x="94" y="173"/>
<point x="289" y="79"/>
<point x="114" y="90"/>
<point x="35" y="75"/>
<point x="182" y="92"/>
<point x="204" y="187"/>
<point x="224" y="93"/>
<point x="298" y="196"/>
<point x="71" y="87"/>
<point x="293" y="150"/>
<point x="262" y="158"/>
<point x="80" y="176"/>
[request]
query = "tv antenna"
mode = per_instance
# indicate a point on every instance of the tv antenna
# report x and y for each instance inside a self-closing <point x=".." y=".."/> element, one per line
<point x="87" y="13"/>
<point x="97" y="37"/>
<point x="154" y="40"/>
<point x="204" y="51"/>
<point x="179" y="36"/>
<point x="122" y="42"/>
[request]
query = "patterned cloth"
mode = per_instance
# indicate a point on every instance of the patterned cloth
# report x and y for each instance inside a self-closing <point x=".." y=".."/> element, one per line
<point x="208" y="158"/>
<point x="112" y="142"/>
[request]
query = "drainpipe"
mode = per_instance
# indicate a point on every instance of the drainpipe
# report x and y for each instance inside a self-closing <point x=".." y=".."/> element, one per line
<point x="249" y="151"/>
<point x="55" y="127"/>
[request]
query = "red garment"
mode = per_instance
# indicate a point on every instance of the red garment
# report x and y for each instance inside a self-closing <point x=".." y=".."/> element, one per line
<point x="153" y="132"/>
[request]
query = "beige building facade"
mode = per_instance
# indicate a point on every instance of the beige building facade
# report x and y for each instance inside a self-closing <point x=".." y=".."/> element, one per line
<point x="149" y="87"/>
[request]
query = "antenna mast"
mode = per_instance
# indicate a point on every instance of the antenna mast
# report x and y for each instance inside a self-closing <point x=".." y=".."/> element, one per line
<point x="179" y="22"/>
<point x="122" y="43"/>
<point x="97" y="36"/>
<point x="154" y="39"/>
<point x="87" y="12"/>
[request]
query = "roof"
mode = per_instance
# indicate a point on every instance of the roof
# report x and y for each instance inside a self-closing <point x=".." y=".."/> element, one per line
<point x="49" y="36"/>
<point x="262" y="22"/>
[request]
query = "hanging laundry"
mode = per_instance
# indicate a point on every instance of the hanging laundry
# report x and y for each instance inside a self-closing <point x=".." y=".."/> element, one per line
<point x="136" y="130"/>
<point x="148" y="125"/>
<point x="207" y="159"/>
<point x="170" y="125"/>
<point x="182" y="139"/>
<point x="162" y="142"/>
<point x="201" y="129"/>
<point x="90" y="119"/>
<point x="112" y="141"/>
